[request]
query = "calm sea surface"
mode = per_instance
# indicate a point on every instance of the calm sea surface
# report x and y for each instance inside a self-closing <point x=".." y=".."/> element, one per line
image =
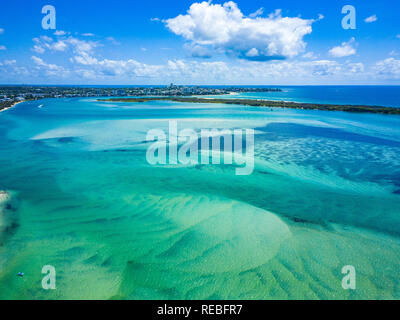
<point x="325" y="193"/>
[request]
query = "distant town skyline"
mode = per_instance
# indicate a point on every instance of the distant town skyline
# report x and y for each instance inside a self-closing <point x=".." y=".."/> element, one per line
<point x="200" y="43"/>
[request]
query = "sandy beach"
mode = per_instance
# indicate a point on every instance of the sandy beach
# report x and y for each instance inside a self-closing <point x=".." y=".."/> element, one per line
<point x="11" y="106"/>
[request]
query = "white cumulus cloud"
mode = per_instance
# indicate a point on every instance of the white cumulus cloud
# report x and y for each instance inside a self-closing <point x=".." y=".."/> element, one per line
<point x="344" y="50"/>
<point x="10" y="62"/>
<point x="226" y="29"/>
<point x="372" y="18"/>
<point x="38" y="49"/>
<point x="309" y="55"/>
<point x="60" y="33"/>
<point x="257" y="13"/>
<point x="49" y="69"/>
<point x="206" y="72"/>
<point x="388" y="68"/>
<point x="197" y="51"/>
<point x="76" y="45"/>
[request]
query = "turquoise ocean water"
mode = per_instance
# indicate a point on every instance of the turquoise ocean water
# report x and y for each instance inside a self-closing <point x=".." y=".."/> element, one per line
<point x="325" y="193"/>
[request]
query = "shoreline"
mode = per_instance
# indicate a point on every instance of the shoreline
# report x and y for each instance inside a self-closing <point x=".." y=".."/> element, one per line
<point x="12" y="106"/>
<point x="268" y="104"/>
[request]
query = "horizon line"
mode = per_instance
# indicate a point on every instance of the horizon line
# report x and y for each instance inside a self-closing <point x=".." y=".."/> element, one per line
<point x="199" y="85"/>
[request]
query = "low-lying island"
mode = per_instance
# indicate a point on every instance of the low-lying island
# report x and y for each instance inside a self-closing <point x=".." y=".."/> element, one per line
<point x="266" y="103"/>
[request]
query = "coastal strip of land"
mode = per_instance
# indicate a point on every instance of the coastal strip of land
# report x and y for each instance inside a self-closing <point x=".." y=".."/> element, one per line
<point x="266" y="103"/>
<point x="11" y="95"/>
<point x="4" y="107"/>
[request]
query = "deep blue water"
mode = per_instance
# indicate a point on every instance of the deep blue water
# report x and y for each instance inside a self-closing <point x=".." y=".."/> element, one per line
<point x="385" y="96"/>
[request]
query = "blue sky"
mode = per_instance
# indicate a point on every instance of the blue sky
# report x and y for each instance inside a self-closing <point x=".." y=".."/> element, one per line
<point x="190" y="42"/>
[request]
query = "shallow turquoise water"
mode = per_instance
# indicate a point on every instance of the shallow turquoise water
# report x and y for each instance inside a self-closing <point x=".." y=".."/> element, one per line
<point x="325" y="193"/>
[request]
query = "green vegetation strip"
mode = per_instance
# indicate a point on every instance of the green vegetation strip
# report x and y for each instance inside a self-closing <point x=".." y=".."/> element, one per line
<point x="267" y="103"/>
